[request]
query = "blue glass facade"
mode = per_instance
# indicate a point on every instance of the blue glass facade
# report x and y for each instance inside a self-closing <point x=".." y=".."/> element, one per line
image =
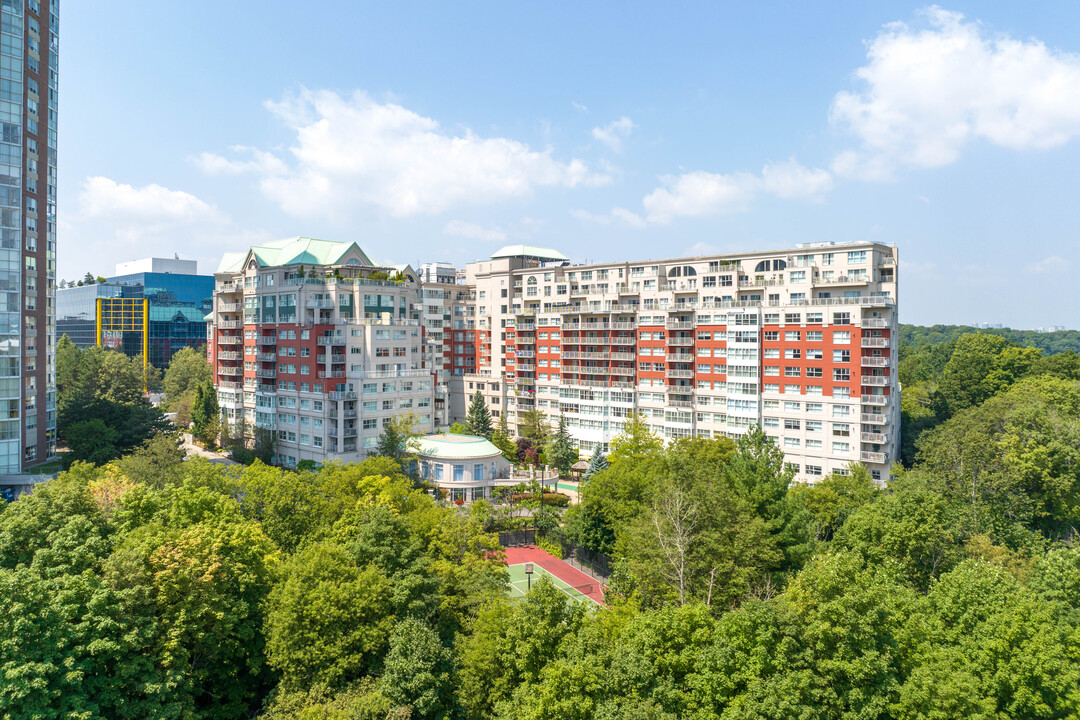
<point x="178" y="305"/>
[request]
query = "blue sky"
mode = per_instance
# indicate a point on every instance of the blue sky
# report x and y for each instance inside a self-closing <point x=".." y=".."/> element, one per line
<point x="441" y="131"/>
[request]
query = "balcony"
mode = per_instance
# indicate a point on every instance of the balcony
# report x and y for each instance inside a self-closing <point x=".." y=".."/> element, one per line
<point x="524" y="354"/>
<point x="873" y="437"/>
<point x="349" y="414"/>
<point x="873" y="419"/>
<point x="623" y="325"/>
<point x="874" y="323"/>
<point x="622" y="341"/>
<point x="680" y="341"/>
<point x="267" y="357"/>
<point x="675" y="325"/>
<point x="229" y="340"/>
<point x="875" y="342"/>
<point x="624" y="356"/>
<point x="681" y="403"/>
<point x="683" y="374"/>
<point x="760" y="282"/>
<point x="842" y="280"/>
<point x="324" y="303"/>
<point x="876" y="400"/>
<point x="526" y="367"/>
<point x="879" y="380"/>
<point x="326" y="340"/>
<point x="229" y="355"/>
<point x="268" y="340"/>
<point x="230" y="371"/>
<point x="526" y="340"/>
<point x="228" y="287"/>
<point x="342" y="395"/>
<point x="681" y="357"/>
<point x="585" y="370"/>
<point x="228" y="307"/>
<point x="575" y="355"/>
<point x="229" y="385"/>
<point x="266" y="373"/>
<point x="525" y="326"/>
<point x="874" y="457"/>
<point x="626" y="371"/>
<point x="322" y="374"/>
<point x="875" y="362"/>
<point x="229" y="324"/>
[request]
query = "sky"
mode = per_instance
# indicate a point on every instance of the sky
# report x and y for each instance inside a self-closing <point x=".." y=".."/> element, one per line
<point x="609" y="131"/>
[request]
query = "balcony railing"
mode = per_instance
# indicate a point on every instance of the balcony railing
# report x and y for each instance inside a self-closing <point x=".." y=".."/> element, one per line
<point x="879" y="380"/>
<point x="873" y="419"/>
<point x="873" y="342"/>
<point x="230" y="371"/>
<point x="266" y="373"/>
<point x="229" y="340"/>
<point x="626" y="371"/>
<point x="680" y="342"/>
<point x="229" y="355"/>
<point x="681" y="357"/>
<point x="625" y="356"/>
<point x="875" y="362"/>
<point x="684" y="374"/>
<point x="267" y="357"/>
<point x="229" y="385"/>
<point x="671" y="325"/>
<point x="575" y="355"/>
<point x="874" y="323"/>
<point x="332" y="374"/>
<point x="228" y="306"/>
<point x="230" y="324"/>
<point x="324" y="303"/>
<point x="874" y="457"/>
<point x="873" y="437"/>
<point x="623" y="341"/>
<point x="876" y="400"/>
<point x="268" y="339"/>
<point x="325" y="340"/>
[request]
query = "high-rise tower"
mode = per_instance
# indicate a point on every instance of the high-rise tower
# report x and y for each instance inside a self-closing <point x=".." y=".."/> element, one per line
<point x="29" y="46"/>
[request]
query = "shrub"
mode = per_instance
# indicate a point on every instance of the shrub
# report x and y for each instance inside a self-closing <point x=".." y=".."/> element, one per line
<point x="550" y="546"/>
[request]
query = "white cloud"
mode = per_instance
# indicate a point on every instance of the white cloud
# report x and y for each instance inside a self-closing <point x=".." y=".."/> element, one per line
<point x="473" y="232"/>
<point x="705" y="193"/>
<point x="101" y="196"/>
<point x="931" y="91"/>
<point x="261" y="162"/>
<point x="614" y="133"/>
<point x="617" y="216"/>
<point x="790" y="180"/>
<point x="135" y="222"/>
<point x="1049" y="265"/>
<point x="579" y="107"/>
<point x="353" y="151"/>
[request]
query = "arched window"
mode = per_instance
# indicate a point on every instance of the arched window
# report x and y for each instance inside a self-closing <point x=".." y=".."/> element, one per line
<point x="689" y="271"/>
<point x="762" y="266"/>
<point x="531" y="280"/>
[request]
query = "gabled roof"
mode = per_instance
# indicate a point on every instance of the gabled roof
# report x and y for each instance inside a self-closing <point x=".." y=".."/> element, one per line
<point x="291" y="251"/>
<point x="530" y="251"/>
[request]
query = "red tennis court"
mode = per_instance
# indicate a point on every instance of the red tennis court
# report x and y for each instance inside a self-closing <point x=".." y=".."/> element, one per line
<point x="564" y="571"/>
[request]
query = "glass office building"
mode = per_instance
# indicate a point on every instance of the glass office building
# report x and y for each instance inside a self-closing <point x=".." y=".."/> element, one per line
<point x="29" y="47"/>
<point x="156" y="312"/>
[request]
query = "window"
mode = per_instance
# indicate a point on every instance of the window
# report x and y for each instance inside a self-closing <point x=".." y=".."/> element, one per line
<point x="813" y="470"/>
<point x="792" y="335"/>
<point x="792" y="371"/>
<point x="771" y="335"/>
<point x="841" y="337"/>
<point x="792" y="353"/>
<point x="841" y="356"/>
<point x="792" y="442"/>
<point x="813" y="372"/>
<point x="841" y="430"/>
<point x="814" y="335"/>
<point x="841" y="374"/>
<point x="791" y="424"/>
<point x="840" y="448"/>
<point x="841" y="318"/>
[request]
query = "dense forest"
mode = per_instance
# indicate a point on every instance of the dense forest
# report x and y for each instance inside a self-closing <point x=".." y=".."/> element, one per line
<point x="152" y="587"/>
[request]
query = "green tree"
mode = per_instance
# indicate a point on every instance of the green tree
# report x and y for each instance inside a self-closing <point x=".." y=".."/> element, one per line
<point x="328" y="621"/>
<point x="419" y="672"/>
<point x="91" y="441"/>
<point x="205" y="414"/>
<point x="400" y="441"/>
<point x="597" y="463"/>
<point x="968" y="377"/>
<point x="560" y="450"/>
<point x="635" y="442"/>
<point x="478" y="419"/>
<point x="534" y="426"/>
<point x="501" y="439"/>
<point x="187" y="370"/>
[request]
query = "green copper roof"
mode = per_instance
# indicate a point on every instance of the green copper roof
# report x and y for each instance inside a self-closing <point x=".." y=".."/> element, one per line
<point x="292" y="251"/>
<point x="531" y="251"/>
<point x="456" y="447"/>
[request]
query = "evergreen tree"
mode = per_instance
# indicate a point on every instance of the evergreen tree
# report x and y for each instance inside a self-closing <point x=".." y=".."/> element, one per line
<point x="502" y="439"/>
<point x="597" y="463"/>
<point x="206" y="414"/>
<point x="478" y="418"/>
<point x="560" y="450"/>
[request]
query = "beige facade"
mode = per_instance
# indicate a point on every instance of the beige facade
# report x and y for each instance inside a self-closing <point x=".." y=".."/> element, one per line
<point x="800" y="341"/>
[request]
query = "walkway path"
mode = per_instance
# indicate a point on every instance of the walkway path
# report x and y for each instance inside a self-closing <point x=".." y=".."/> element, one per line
<point x="565" y="572"/>
<point x="194" y="450"/>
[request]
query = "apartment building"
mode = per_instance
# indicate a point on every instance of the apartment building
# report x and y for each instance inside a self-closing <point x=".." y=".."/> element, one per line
<point x="799" y="341"/>
<point x="308" y="338"/>
<point x="29" y="36"/>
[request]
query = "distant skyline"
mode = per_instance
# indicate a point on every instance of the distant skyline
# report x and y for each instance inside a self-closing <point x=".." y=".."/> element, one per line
<point x="609" y="131"/>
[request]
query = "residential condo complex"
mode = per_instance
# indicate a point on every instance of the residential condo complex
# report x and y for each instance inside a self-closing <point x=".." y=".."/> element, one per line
<point x="311" y="339"/>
